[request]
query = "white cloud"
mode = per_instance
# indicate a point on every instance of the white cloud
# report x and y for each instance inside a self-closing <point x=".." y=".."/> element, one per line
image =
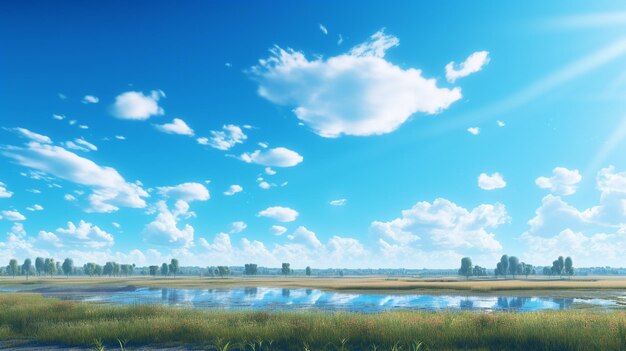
<point x="472" y="64"/>
<point x="305" y="236"/>
<point x="595" y="236"/>
<point x="4" y="193"/>
<point x="276" y="157"/>
<point x="473" y="130"/>
<point x="338" y="202"/>
<point x="49" y="238"/>
<point x="265" y="185"/>
<point x="178" y="126"/>
<point x="491" y="182"/>
<point x="323" y="29"/>
<point x="563" y="181"/>
<point x="238" y="227"/>
<point x="137" y="106"/>
<point x="233" y="189"/>
<point x="345" y="248"/>
<point x="58" y="117"/>
<point x="224" y="139"/>
<point x="446" y="224"/>
<point x="12" y="215"/>
<point x="35" y="207"/>
<point x="109" y="189"/>
<point x="85" y="234"/>
<point x="90" y="99"/>
<point x="500" y="123"/>
<point x="81" y="145"/>
<point x="33" y="136"/>
<point x="116" y="225"/>
<point x="120" y="137"/>
<point x="278" y="230"/>
<point x="164" y="229"/>
<point x="269" y="171"/>
<point x="279" y="213"/>
<point x="339" y="39"/>
<point x="69" y="197"/>
<point x="356" y="93"/>
<point x="187" y="192"/>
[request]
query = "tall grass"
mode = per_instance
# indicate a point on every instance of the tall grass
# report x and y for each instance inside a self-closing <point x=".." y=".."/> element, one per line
<point x="54" y="321"/>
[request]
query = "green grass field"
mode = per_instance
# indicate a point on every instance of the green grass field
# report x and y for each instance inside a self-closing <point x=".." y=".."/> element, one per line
<point x="51" y="321"/>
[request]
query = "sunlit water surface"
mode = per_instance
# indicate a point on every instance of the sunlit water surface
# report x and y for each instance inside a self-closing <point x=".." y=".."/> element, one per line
<point x="314" y="299"/>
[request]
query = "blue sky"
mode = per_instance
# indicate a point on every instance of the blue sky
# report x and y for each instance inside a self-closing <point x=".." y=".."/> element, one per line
<point x="326" y="134"/>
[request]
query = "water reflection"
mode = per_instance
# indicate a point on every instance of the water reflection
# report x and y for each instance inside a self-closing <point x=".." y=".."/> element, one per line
<point x="302" y="299"/>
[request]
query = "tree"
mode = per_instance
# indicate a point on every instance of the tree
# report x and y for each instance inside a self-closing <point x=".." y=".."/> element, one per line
<point x="12" y="267"/>
<point x="250" y="269"/>
<point x="108" y="269"/>
<point x="513" y="265"/>
<point x="466" y="267"/>
<point x="286" y="269"/>
<point x="165" y="269"/>
<point x="40" y="266"/>
<point x="569" y="266"/>
<point x="504" y="261"/>
<point x="557" y="266"/>
<point x="528" y="269"/>
<point x="173" y="267"/>
<point x="308" y="271"/>
<point x="547" y="271"/>
<point x="479" y="271"/>
<point x="27" y="267"/>
<point x="98" y="271"/>
<point x="89" y="269"/>
<point x="222" y="271"/>
<point x="498" y="271"/>
<point x="51" y="266"/>
<point x="153" y="270"/>
<point x="68" y="266"/>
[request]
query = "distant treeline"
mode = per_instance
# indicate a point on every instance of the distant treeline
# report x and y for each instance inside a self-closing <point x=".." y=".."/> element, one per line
<point x="51" y="267"/>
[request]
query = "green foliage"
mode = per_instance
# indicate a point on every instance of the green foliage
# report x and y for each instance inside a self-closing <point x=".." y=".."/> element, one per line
<point x="286" y="270"/>
<point x="173" y="267"/>
<point x="250" y="269"/>
<point x="467" y="268"/>
<point x="165" y="269"/>
<point x="308" y="271"/>
<point x="68" y="266"/>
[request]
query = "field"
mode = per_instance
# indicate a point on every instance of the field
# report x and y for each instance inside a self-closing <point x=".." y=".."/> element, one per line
<point x="51" y="321"/>
<point x="380" y="284"/>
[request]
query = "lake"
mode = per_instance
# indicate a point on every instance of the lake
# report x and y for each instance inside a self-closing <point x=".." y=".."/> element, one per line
<point x="313" y="299"/>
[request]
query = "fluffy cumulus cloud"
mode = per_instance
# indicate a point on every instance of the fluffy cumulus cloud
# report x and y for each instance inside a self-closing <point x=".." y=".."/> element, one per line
<point x="279" y="213"/>
<point x="474" y="63"/>
<point x="177" y="126"/>
<point x="355" y="93"/>
<point x="35" y="207"/>
<point x="562" y="182"/>
<point x="304" y="236"/>
<point x="594" y="236"/>
<point x="164" y="229"/>
<point x="491" y="182"/>
<point x="233" y="189"/>
<point x="187" y="192"/>
<point x="473" y="130"/>
<point x="83" y="235"/>
<point x="135" y="105"/>
<point x="238" y="227"/>
<point x="12" y="215"/>
<point x="109" y="189"/>
<point x="276" y="157"/>
<point x="4" y="192"/>
<point x="224" y="139"/>
<point x="444" y="225"/>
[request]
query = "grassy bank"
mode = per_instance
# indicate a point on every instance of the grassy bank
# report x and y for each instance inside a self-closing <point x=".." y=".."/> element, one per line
<point x="334" y="284"/>
<point x="53" y="321"/>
